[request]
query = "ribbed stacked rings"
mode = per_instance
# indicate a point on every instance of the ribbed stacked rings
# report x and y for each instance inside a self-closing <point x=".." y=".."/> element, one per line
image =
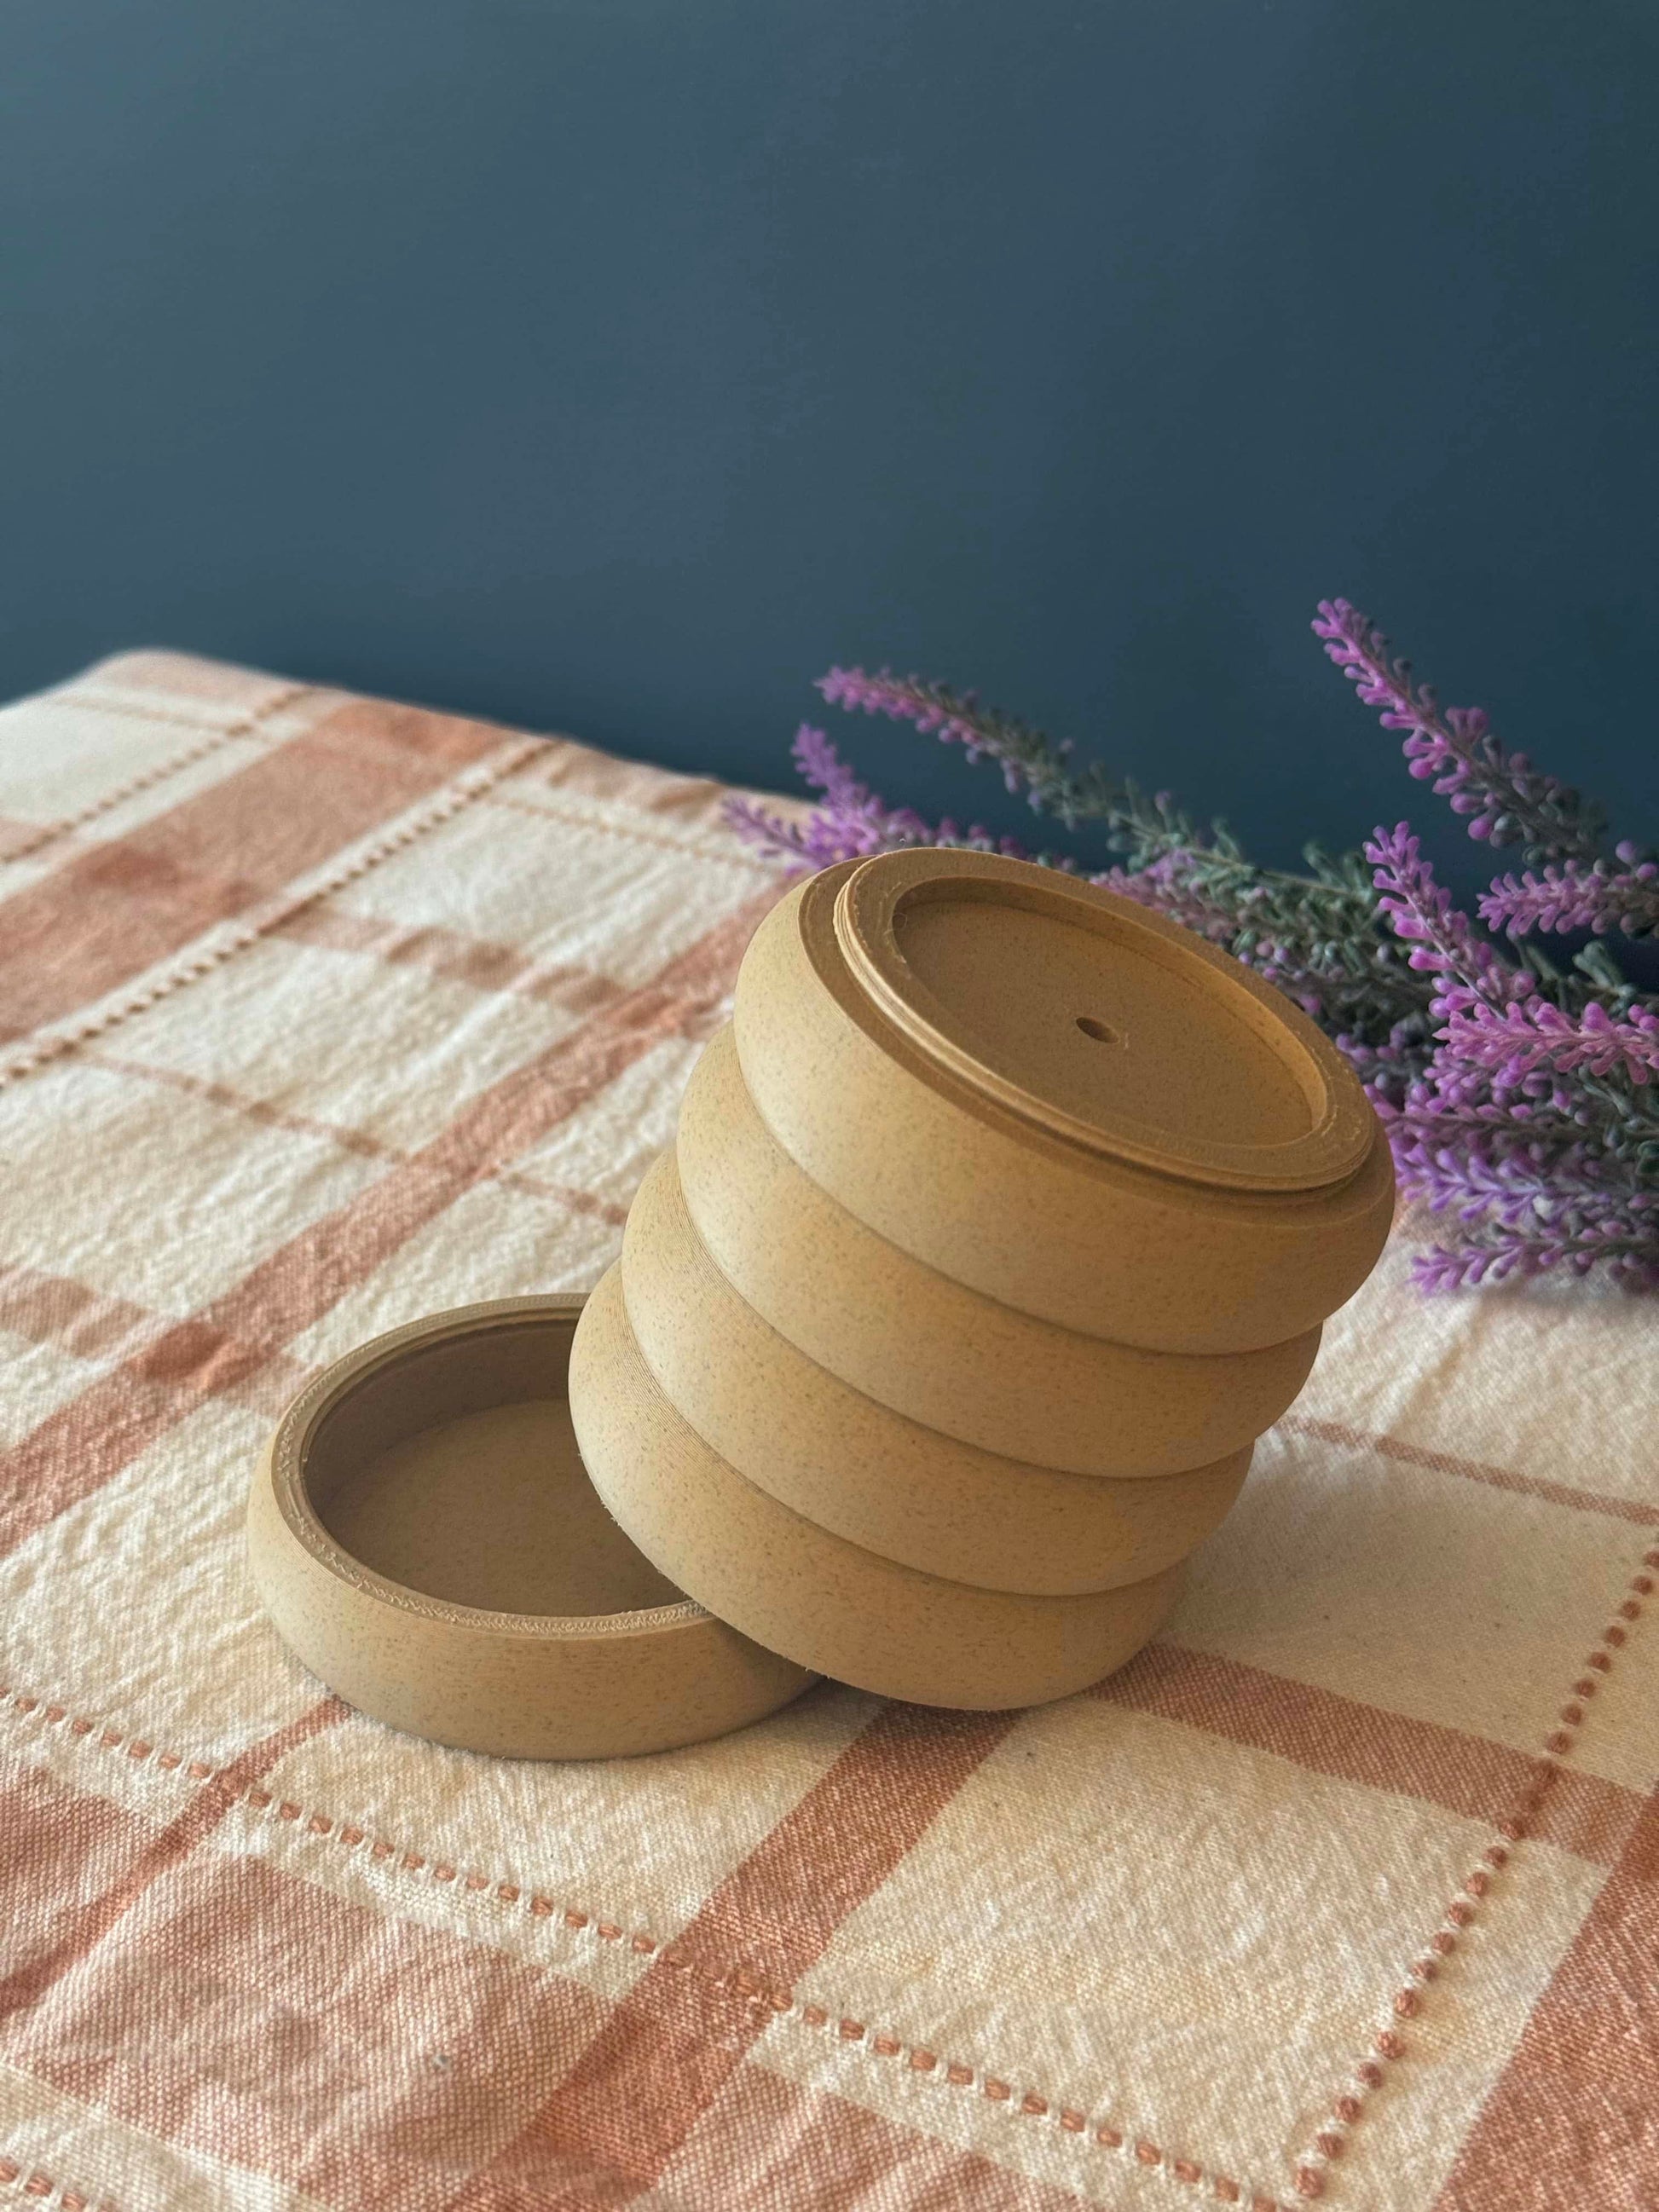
<point x="1000" y="1222"/>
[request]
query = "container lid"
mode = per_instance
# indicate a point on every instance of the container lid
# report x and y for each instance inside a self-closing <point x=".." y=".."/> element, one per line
<point x="1092" y="1019"/>
<point x="426" y="1538"/>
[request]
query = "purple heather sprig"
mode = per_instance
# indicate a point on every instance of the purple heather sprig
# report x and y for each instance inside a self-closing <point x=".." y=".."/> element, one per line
<point x="1515" y="1188"/>
<point x="1495" y="1019"/>
<point x="933" y="710"/>
<point x="954" y="718"/>
<point x="1626" y="1245"/>
<point x="1496" y="1129"/>
<point x="1507" y="800"/>
<point x="1030" y="764"/>
<point x="1531" y="1035"/>
<point x="1597" y="896"/>
<point x="1526" y="1198"/>
<point x="852" y="822"/>
<point x="1462" y="1120"/>
<point x="1420" y="912"/>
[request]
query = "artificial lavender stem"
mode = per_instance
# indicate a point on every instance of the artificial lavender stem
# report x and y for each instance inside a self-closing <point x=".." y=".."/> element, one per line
<point x="1507" y="800"/>
<point x="1573" y="896"/>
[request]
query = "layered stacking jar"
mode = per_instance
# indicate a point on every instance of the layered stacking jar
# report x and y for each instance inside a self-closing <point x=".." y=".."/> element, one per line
<point x="1000" y="1221"/>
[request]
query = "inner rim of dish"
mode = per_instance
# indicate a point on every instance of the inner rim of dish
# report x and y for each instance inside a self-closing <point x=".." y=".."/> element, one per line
<point x="450" y="1468"/>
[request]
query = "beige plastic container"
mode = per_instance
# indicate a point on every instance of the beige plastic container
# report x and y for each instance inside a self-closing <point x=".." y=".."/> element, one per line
<point x="1057" y="1098"/>
<point x="425" y="1537"/>
<point x="857" y="1468"/>
<point x="796" y="1588"/>
<point x="931" y="1348"/>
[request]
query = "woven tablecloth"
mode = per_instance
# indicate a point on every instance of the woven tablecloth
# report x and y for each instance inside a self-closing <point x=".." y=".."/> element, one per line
<point x="317" y="1013"/>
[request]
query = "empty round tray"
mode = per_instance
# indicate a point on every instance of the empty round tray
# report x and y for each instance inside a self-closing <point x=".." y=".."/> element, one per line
<point x="426" y="1539"/>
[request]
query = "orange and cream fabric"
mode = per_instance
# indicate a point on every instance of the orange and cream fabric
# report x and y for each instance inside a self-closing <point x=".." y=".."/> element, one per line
<point x="318" y="1013"/>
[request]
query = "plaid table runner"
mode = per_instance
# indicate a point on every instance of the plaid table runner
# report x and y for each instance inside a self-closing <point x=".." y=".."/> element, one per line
<point x="317" y="1014"/>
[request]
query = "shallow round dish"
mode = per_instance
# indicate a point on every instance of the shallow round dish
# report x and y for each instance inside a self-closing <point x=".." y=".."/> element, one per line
<point x="426" y="1539"/>
<point x="830" y="1605"/>
<point x="867" y="1473"/>
<point x="933" y="1349"/>
<point x="1056" y="1097"/>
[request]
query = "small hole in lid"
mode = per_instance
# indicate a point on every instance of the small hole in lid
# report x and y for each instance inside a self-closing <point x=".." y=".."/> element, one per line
<point x="1102" y="1032"/>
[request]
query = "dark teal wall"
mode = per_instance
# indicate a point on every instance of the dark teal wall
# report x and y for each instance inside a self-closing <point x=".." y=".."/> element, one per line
<point x="616" y="364"/>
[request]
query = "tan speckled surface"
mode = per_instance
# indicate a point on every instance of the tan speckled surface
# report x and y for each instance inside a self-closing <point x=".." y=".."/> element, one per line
<point x="931" y="1348"/>
<point x="856" y="1467"/>
<point x="792" y="1585"/>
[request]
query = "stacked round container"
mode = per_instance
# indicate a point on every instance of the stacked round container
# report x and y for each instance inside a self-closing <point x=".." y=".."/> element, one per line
<point x="1001" y="1221"/>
